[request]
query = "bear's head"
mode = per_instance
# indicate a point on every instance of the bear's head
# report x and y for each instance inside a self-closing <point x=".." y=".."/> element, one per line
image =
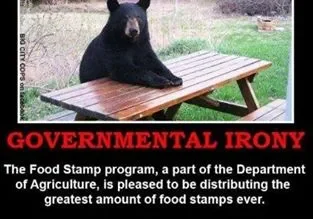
<point x="129" y="20"/>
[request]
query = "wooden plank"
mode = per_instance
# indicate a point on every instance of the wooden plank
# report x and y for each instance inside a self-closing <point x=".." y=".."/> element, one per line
<point x="135" y="94"/>
<point x="283" y="106"/>
<point x="97" y="97"/>
<point x="264" y="110"/>
<point x="186" y="57"/>
<point x="256" y="114"/>
<point x="188" y="93"/>
<point x="248" y="94"/>
<point x="210" y="67"/>
<point x="271" y="115"/>
<point x="61" y="116"/>
<point x="194" y="73"/>
<point x="277" y="110"/>
<point x="177" y="62"/>
<point x="281" y="117"/>
<point x="218" y="105"/>
<point x="192" y="60"/>
<point x="107" y="87"/>
<point x="192" y="63"/>
<point x="105" y="92"/>
<point x="58" y="115"/>
<point x="103" y="95"/>
<point x="138" y="99"/>
<point x="276" y="103"/>
<point x="76" y="87"/>
<point x="112" y="85"/>
<point x="70" y="117"/>
<point x="99" y="81"/>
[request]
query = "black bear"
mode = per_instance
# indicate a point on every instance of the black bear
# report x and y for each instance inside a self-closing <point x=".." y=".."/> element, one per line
<point x="122" y="51"/>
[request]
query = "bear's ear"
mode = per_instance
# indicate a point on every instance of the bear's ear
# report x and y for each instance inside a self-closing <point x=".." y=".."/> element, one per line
<point x="144" y="4"/>
<point x="112" y="5"/>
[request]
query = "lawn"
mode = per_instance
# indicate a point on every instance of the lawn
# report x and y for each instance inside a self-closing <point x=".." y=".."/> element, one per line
<point x="54" y="66"/>
<point x="242" y="39"/>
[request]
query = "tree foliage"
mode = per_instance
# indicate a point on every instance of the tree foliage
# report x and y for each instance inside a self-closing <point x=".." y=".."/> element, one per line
<point x="256" y="7"/>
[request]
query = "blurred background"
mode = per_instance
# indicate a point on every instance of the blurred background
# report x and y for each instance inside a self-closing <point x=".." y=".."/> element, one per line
<point x="58" y="31"/>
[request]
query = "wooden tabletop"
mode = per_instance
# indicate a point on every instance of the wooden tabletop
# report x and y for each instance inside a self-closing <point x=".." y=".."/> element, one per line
<point x="202" y="72"/>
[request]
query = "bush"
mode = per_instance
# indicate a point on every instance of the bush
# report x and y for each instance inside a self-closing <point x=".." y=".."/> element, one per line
<point x="48" y="2"/>
<point x="256" y="7"/>
<point x="182" y="47"/>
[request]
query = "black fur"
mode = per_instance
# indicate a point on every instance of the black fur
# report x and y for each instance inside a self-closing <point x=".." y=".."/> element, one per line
<point x="124" y="59"/>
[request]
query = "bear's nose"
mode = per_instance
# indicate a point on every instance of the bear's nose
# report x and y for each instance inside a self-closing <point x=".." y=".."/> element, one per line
<point x="133" y="32"/>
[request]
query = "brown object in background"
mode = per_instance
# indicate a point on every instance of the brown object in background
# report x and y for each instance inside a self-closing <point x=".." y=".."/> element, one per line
<point x="266" y="24"/>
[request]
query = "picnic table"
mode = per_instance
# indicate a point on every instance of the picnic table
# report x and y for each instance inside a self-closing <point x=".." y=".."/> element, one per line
<point x="202" y="73"/>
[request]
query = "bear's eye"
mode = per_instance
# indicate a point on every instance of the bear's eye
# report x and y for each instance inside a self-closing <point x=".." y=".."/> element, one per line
<point x="139" y="18"/>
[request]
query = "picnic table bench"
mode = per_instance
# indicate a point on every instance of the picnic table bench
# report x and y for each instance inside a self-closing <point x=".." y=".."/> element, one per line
<point x="274" y="111"/>
<point x="202" y="73"/>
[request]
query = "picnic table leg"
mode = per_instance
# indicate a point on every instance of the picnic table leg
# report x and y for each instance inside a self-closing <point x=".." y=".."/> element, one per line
<point x="160" y="115"/>
<point x="80" y="117"/>
<point x="248" y="94"/>
<point x="167" y="115"/>
<point x="171" y="111"/>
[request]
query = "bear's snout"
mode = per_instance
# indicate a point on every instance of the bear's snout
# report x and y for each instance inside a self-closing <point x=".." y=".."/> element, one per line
<point x="132" y="29"/>
<point x="133" y="32"/>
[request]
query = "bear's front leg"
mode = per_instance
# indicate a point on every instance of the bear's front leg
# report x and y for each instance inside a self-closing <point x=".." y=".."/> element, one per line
<point x="158" y="67"/>
<point x="131" y="74"/>
<point x="165" y="72"/>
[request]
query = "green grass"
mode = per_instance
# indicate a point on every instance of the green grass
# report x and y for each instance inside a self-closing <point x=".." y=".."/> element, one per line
<point x="241" y="38"/>
<point x="34" y="108"/>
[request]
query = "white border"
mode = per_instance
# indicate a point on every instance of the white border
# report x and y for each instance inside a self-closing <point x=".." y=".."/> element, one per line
<point x="160" y="122"/>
